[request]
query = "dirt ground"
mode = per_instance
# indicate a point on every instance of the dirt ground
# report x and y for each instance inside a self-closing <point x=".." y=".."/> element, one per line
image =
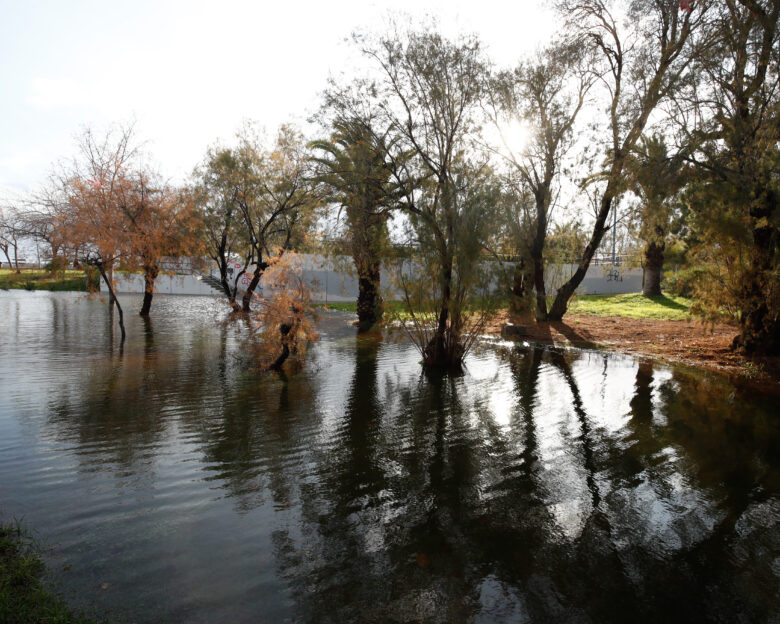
<point x="687" y="342"/>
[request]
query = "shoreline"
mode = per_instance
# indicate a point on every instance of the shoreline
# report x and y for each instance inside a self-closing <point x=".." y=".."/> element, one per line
<point x="689" y="343"/>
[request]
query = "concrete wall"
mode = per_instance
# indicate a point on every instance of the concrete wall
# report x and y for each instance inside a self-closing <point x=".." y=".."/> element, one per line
<point x="600" y="279"/>
<point x="164" y="284"/>
<point x="331" y="280"/>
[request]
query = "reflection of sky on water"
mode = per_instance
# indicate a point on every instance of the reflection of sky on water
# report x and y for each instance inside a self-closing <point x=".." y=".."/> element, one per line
<point x="538" y="485"/>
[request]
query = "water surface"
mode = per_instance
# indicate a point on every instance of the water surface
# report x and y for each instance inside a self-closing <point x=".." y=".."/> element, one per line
<point x="172" y="484"/>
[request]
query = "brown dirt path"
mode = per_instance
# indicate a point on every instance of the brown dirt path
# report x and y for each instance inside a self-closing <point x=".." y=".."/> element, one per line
<point x="687" y="342"/>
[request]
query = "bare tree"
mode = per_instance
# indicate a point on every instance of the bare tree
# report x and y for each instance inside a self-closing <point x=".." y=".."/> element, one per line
<point x="11" y="232"/>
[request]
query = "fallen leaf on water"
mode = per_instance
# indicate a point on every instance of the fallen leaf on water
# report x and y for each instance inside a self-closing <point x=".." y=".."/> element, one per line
<point x="423" y="560"/>
<point x="104" y="585"/>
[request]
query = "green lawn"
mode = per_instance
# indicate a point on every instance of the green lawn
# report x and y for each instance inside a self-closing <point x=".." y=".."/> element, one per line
<point x="33" y="279"/>
<point x="23" y="597"/>
<point x="631" y="305"/>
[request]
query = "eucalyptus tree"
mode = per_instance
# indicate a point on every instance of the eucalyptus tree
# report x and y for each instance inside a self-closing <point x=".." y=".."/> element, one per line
<point x="643" y="49"/>
<point x="429" y="92"/>
<point x="731" y="117"/>
<point x="544" y="95"/>
<point x="354" y="170"/>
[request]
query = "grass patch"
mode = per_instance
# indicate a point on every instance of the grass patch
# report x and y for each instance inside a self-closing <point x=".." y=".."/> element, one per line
<point x="34" y="279"/>
<point x="23" y="597"/>
<point x="630" y="305"/>
<point x="633" y="305"/>
<point x="391" y="307"/>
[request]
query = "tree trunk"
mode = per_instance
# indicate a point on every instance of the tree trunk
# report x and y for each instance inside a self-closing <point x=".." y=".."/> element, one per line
<point x="537" y="251"/>
<point x="561" y="303"/>
<point x="654" y="262"/>
<point x="541" y="294"/>
<point x="520" y="282"/>
<point x="444" y="349"/>
<point x="150" y="275"/>
<point x="113" y="300"/>
<point x="250" y="290"/>
<point x="369" y="303"/>
<point x="284" y="330"/>
<point x="759" y="319"/>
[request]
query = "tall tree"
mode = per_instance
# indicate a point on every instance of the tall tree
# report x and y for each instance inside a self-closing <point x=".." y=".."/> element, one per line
<point x="214" y="193"/>
<point x="255" y="203"/>
<point x="430" y="91"/>
<point x="655" y="177"/>
<point x="643" y="49"/>
<point x="91" y="189"/>
<point x="160" y="221"/>
<point x="736" y="204"/>
<point x="357" y="176"/>
<point x="545" y="95"/>
<point x="277" y="203"/>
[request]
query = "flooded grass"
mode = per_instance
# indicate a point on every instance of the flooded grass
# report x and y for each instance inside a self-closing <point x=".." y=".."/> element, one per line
<point x="24" y="599"/>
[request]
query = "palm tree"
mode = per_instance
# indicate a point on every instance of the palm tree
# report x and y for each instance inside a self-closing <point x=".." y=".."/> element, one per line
<point x="354" y="171"/>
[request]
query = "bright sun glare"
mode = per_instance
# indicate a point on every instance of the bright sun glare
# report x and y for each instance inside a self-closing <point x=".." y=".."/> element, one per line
<point x="513" y="136"/>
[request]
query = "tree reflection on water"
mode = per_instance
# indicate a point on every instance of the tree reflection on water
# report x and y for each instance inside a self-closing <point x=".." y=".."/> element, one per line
<point x="538" y="485"/>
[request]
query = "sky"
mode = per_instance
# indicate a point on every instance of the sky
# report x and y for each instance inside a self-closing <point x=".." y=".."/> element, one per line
<point x="189" y="73"/>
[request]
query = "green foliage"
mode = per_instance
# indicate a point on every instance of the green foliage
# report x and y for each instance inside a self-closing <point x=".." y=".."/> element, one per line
<point x="566" y="242"/>
<point x="23" y="597"/>
<point x="43" y="280"/>
<point x="57" y="265"/>
<point x="683" y="283"/>
<point x="356" y="176"/>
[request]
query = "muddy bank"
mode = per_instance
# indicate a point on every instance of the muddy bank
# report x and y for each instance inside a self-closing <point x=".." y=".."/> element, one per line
<point x="686" y="342"/>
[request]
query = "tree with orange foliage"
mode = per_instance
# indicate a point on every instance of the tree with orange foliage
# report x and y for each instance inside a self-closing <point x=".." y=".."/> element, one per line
<point x="160" y="221"/>
<point x="285" y="318"/>
<point x="90" y="216"/>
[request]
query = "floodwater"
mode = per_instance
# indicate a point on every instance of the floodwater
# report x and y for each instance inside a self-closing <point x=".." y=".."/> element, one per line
<point x="171" y="484"/>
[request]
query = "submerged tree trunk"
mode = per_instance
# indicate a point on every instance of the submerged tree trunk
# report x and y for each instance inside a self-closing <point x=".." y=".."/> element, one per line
<point x="539" y="287"/>
<point x="230" y="291"/>
<point x="150" y="275"/>
<point x="444" y="349"/>
<point x="537" y="251"/>
<point x="113" y="300"/>
<point x="654" y="262"/>
<point x="284" y="330"/>
<point x="369" y="303"/>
